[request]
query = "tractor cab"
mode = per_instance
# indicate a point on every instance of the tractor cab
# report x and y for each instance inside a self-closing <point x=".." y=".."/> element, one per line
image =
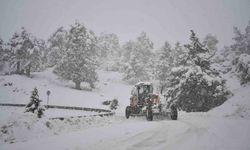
<point x="141" y="91"/>
<point x="144" y="102"/>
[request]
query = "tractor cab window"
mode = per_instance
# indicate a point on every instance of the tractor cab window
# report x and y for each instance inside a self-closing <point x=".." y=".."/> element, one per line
<point x="150" y="89"/>
<point x="134" y="92"/>
<point x="140" y="90"/>
<point x="146" y="89"/>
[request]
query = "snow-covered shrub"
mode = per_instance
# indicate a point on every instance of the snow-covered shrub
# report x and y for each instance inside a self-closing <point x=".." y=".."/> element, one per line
<point x="243" y="68"/>
<point x="201" y="94"/>
<point x="107" y="102"/>
<point x="194" y="90"/>
<point x="40" y="111"/>
<point x="114" y="104"/>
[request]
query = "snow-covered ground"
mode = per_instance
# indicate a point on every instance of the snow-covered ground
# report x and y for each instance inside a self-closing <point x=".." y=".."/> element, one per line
<point x="226" y="127"/>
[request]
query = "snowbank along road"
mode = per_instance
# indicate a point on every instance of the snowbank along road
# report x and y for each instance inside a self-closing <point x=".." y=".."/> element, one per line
<point x="191" y="131"/>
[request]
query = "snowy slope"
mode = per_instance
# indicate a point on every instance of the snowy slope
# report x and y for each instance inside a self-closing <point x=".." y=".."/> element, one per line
<point x="109" y="87"/>
<point x="237" y="106"/>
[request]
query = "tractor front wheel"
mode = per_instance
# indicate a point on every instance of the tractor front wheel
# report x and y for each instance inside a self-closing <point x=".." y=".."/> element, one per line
<point x="127" y="112"/>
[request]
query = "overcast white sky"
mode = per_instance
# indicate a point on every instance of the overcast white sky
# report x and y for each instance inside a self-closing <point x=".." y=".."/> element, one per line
<point x="162" y="20"/>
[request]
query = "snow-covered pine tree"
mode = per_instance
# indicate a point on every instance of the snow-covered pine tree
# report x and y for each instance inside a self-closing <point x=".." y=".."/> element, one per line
<point x="164" y="63"/>
<point x="57" y="46"/>
<point x="43" y="53"/>
<point x="144" y="50"/>
<point x="108" y="45"/>
<point x="2" y="51"/>
<point x="134" y="71"/>
<point x="241" y="44"/>
<point x="1" y="48"/>
<point x="2" y="55"/>
<point x="36" y="56"/>
<point x="25" y="53"/>
<point x="210" y="42"/>
<point x="5" y="57"/>
<point x="195" y="86"/>
<point x="80" y="61"/>
<point x="140" y="55"/>
<point x="34" y="103"/>
<point x="223" y="59"/>
<point x="127" y="51"/>
<point x="20" y="45"/>
<point x="126" y="54"/>
<point x="180" y="54"/>
<point x="109" y="51"/>
<point x="241" y="54"/>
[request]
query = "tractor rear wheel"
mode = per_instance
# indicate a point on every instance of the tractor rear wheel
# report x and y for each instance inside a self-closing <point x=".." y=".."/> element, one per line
<point x="174" y="113"/>
<point x="149" y="115"/>
<point x="127" y="112"/>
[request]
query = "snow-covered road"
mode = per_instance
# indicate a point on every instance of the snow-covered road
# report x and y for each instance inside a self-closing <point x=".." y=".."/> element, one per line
<point x="192" y="131"/>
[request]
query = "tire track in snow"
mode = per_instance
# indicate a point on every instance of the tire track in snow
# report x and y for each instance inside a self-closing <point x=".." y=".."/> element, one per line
<point x="164" y="134"/>
<point x="157" y="136"/>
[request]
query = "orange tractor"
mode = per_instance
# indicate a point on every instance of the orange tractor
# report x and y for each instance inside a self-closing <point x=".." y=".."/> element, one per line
<point x="144" y="103"/>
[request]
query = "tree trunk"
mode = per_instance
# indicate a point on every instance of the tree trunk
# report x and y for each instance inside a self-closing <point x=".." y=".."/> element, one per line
<point x="92" y="85"/>
<point x="78" y="85"/>
<point x="18" y="67"/>
<point x="162" y="88"/>
<point x="28" y="70"/>
<point x="22" y="72"/>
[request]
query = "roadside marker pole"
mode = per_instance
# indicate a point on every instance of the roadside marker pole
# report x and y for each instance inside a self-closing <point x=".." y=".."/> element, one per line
<point x="48" y="93"/>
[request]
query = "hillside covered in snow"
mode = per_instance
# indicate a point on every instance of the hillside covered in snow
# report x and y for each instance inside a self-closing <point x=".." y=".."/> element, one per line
<point x="63" y="92"/>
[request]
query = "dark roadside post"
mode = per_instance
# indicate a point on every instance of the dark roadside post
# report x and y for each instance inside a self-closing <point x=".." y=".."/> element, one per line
<point x="48" y="93"/>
